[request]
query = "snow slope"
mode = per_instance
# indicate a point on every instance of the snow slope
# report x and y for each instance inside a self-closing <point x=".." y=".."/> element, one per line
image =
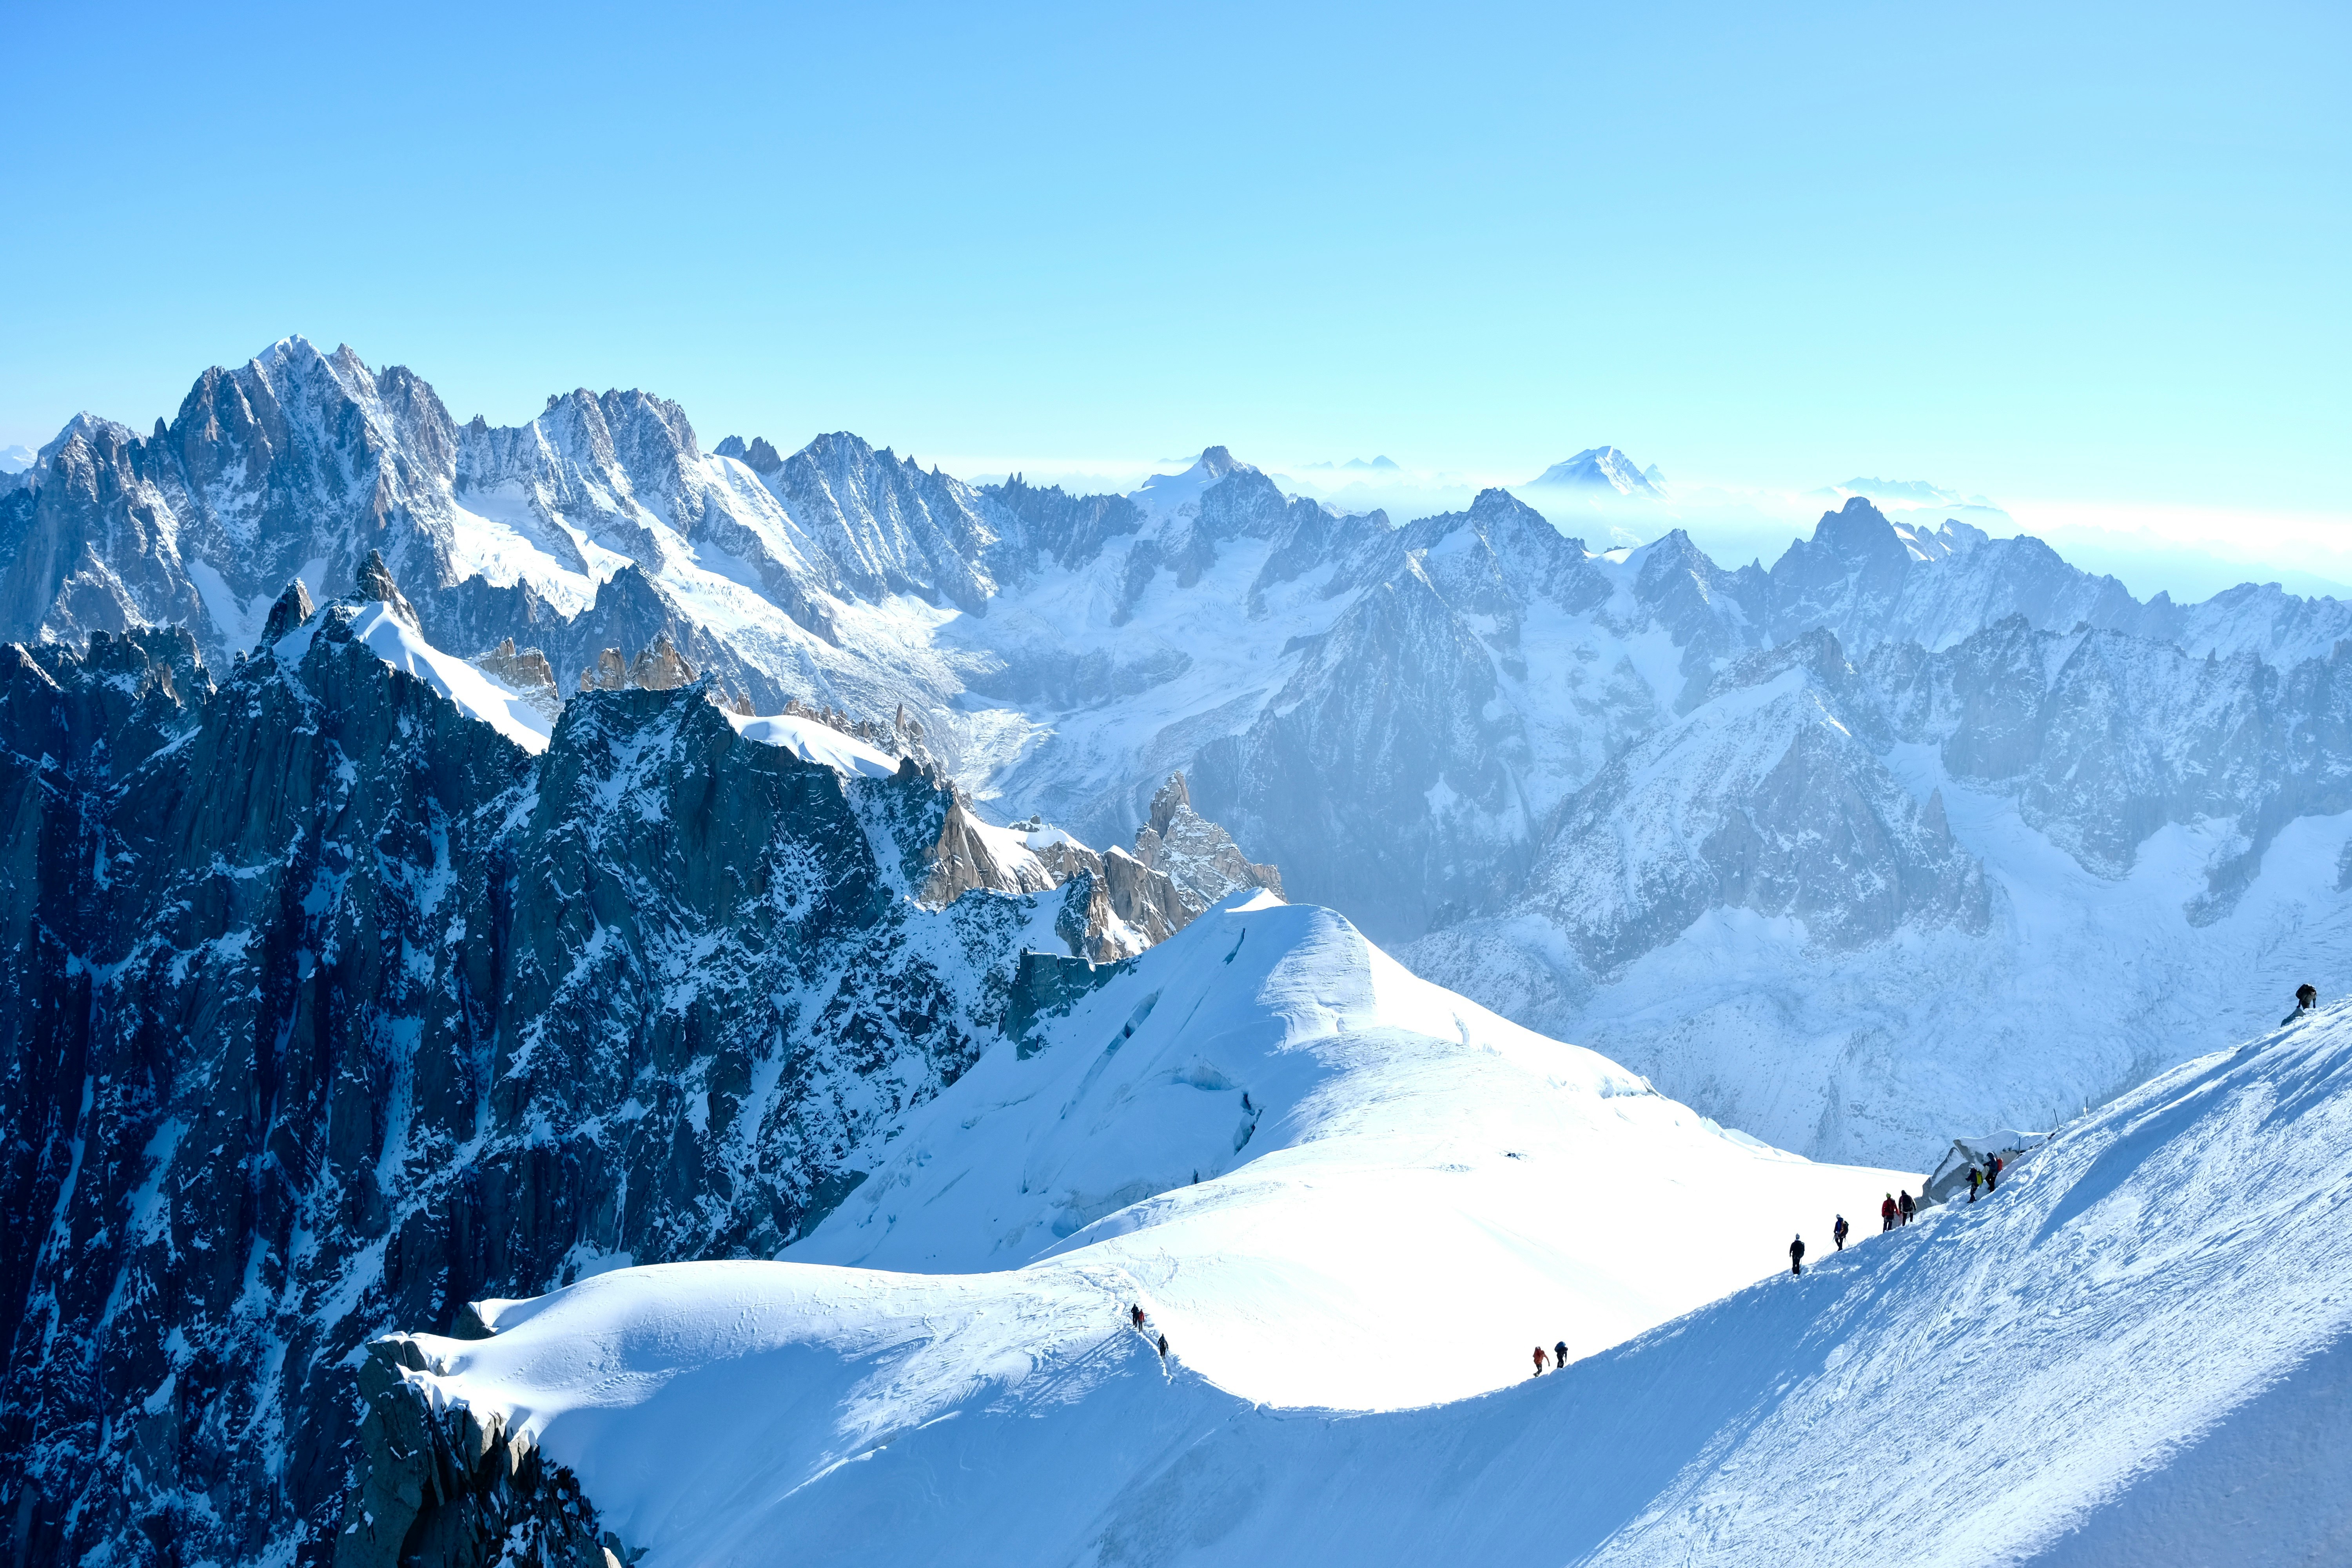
<point x="395" y="640"/>
<point x="2136" y="1349"/>
<point x="1409" y="1169"/>
<point x="813" y="742"/>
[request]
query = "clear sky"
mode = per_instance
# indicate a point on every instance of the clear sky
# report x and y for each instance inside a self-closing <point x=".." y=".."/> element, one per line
<point x="2089" y="256"/>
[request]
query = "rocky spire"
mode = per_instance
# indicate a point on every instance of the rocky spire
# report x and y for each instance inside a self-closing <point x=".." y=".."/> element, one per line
<point x="660" y="667"/>
<point x="527" y="671"/>
<point x="293" y="609"/>
<point x="375" y="583"/>
<point x="1195" y="854"/>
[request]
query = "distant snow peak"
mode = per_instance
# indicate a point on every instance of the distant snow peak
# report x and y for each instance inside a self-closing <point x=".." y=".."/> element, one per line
<point x="1178" y="495"/>
<point x="1603" y="468"/>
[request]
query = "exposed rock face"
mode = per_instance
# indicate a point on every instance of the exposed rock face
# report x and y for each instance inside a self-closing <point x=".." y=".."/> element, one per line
<point x="440" y="1487"/>
<point x="375" y="583"/>
<point x="1195" y="854"/>
<point x="2103" y="737"/>
<point x="325" y="1009"/>
<point x="1767" y="797"/>
<point x="660" y="667"/>
<point x="291" y="610"/>
<point x="888" y="527"/>
<point x="527" y="671"/>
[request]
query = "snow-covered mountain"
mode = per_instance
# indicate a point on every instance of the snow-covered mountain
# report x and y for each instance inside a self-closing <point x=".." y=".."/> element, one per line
<point x="1417" y="720"/>
<point x="348" y="987"/>
<point x="648" y="854"/>
<point x="2132" y="1348"/>
<point x="1601" y="468"/>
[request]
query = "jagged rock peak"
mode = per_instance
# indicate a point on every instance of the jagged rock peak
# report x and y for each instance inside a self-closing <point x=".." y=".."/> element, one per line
<point x="1173" y="796"/>
<point x="375" y="583"/>
<point x="1195" y="854"/>
<point x="756" y="454"/>
<point x="1497" y="502"/>
<point x="290" y="613"/>
<point x="658" y="668"/>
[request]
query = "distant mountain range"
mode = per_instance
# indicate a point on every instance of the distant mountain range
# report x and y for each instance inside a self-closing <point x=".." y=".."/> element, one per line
<point x="450" y="860"/>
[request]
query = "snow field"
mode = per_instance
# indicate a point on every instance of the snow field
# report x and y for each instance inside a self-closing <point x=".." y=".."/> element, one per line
<point x="2136" y="1349"/>
<point x="1417" y="1193"/>
<point x="813" y="742"/>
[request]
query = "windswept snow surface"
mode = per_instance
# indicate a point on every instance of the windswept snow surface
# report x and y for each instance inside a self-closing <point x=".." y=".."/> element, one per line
<point x="2136" y="1351"/>
<point x="812" y="741"/>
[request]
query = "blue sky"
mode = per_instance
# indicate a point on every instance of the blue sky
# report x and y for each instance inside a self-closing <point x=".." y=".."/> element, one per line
<point x="2090" y="260"/>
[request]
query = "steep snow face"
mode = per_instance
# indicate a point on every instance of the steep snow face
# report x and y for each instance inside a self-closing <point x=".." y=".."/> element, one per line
<point x="394" y="639"/>
<point x="2149" y="1320"/>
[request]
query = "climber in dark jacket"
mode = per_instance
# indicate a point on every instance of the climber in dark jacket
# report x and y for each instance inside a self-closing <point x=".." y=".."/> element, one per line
<point x="1838" y="1231"/>
<point x="1797" y="1256"/>
<point x="1559" y="1353"/>
<point x="1163" y="1347"/>
<point x="2306" y="998"/>
<point x="1909" y="1208"/>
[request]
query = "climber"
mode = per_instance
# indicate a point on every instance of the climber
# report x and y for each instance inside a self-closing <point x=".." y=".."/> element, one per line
<point x="1163" y="1347"/>
<point x="2306" y="998"/>
<point x="1976" y="1180"/>
<point x="1135" y="1315"/>
<point x="1559" y="1354"/>
<point x="1886" y="1214"/>
<point x="1909" y="1208"/>
<point x="1540" y="1363"/>
<point x="1797" y="1256"/>
<point x="1837" y="1232"/>
<point x="1993" y="1174"/>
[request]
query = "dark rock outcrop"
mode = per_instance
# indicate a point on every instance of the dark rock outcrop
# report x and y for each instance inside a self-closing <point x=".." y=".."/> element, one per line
<point x="325" y="1009"/>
